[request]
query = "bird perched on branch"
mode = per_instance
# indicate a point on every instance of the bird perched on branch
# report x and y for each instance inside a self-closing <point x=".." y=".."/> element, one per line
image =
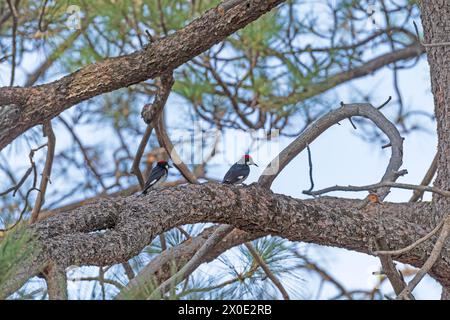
<point x="157" y="176"/>
<point x="239" y="171"/>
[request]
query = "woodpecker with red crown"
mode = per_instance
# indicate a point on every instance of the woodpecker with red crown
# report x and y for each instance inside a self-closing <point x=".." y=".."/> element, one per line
<point x="239" y="171"/>
<point x="157" y="176"/>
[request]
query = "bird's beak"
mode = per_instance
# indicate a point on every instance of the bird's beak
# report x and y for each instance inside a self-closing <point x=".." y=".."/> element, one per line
<point x="255" y="164"/>
<point x="169" y="166"/>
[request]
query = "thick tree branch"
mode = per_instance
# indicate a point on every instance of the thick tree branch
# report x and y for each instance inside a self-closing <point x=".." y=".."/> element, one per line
<point x="44" y="102"/>
<point x="131" y="223"/>
<point x="426" y="180"/>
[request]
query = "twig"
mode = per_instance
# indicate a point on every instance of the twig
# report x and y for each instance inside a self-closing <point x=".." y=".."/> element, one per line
<point x="388" y="267"/>
<point x="379" y="185"/>
<point x="149" y="36"/>
<point x="13" y="9"/>
<point x="267" y="270"/>
<point x="196" y="260"/>
<point x="115" y="283"/>
<point x="164" y="141"/>
<point x="162" y="240"/>
<point x="46" y="172"/>
<point x="140" y="151"/>
<point x="4" y="58"/>
<point x="351" y="122"/>
<point x="19" y="184"/>
<point x="415" y="244"/>
<point x="184" y="232"/>
<point x="385" y="103"/>
<point x="426" y="179"/>
<point x="83" y="150"/>
<point x="394" y="276"/>
<point x="21" y="212"/>
<point x="128" y="270"/>
<point x="434" y="256"/>
<point x="238" y="278"/>
<point x="322" y="273"/>
<point x="33" y="188"/>
<point x="41" y="17"/>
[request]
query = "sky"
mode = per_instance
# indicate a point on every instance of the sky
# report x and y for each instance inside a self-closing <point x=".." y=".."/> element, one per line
<point x="339" y="157"/>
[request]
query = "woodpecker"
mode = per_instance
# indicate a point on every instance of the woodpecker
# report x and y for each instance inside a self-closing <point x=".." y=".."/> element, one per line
<point x="157" y="176"/>
<point x="239" y="171"/>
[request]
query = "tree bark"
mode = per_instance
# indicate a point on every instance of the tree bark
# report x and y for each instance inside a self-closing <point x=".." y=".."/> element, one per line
<point x="436" y="24"/>
<point x="128" y="224"/>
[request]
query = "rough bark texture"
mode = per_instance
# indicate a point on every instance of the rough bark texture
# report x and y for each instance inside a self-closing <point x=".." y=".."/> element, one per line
<point x="111" y="231"/>
<point x="56" y="279"/>
<point x="436" y="24"/>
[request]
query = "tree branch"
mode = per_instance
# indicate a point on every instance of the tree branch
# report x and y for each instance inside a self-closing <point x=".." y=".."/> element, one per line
<point x="46" y="172"/>
<point x="56" y="279"/>
<point x="131" y="223"/>
<point x="380" y="185"/>
<point x="162" y="267"/>
<point x="267" y="270"/>
<point x="44" y="102"/>
<point x="434" y="256"/>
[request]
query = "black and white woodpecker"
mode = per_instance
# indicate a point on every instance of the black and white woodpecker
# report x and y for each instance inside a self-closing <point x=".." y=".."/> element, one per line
<point x="239" y="171"/>
<point x="157" y="176"/>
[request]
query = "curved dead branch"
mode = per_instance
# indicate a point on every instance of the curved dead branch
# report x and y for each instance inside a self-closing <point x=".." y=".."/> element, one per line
<point x="322" y="124"/>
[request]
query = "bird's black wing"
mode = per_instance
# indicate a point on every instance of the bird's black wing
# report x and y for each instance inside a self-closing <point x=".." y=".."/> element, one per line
<point x="156" y="173"/>
<point x="236" y="173"/>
